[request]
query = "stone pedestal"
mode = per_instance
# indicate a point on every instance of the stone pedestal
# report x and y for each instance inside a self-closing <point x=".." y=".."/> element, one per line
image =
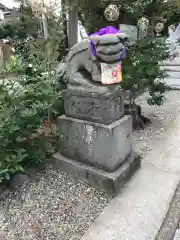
<point x="95" y="139"/>
<point x="103" y="146"/>
<point x="103" y="108"/>
<point x="111" y="183"/>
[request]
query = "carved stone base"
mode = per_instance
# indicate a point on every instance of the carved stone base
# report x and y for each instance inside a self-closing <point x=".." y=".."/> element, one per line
<point x="103" y="108"/>
<point x="103" y="146"/>
<point x="111" y="183"/>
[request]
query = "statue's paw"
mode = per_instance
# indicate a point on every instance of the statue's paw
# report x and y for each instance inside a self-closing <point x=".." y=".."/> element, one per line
<point x="61" y="70"/>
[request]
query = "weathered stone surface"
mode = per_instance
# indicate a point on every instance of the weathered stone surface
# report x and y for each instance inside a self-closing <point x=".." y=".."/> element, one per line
<point x="109" y="182"/>
<point x="4" y="191"/>
<point x="130" y="30"/>
<point x="172" y="68"/>
<point x="174" y="74"/>
<point x="170" y="223"/>
<point x="18" y="180"/>
<point x="177" y="235"/>
<point x="96" y="107"/>
<point x="32" y="173"/>
<point x="104" y="146"/>
<point x="3" y="235"/>
<point x="84" y="68"/>
<point x="173" y="83"/>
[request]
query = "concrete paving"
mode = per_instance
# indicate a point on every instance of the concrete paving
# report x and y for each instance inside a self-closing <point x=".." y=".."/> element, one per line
<point x="171" y="221"/>
<point x="177" y="235"/>
<point x="139" y="210"/>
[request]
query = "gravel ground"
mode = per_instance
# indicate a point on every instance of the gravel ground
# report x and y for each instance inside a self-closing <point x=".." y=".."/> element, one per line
<point x="55" y="207"/>
<point x="161" y="118"/>
<point x="59" y="207"/>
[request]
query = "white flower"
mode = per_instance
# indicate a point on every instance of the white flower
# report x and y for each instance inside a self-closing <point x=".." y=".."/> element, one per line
<point x="30" y="65"/>
<point x="12" y="49"/>
<point x="35" y="69"/>
<point x="135" y="63"/>
<point x="158" y="80"/>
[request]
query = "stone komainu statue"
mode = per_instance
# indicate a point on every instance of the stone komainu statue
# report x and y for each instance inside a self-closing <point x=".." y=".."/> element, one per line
<point x="83" y="63"/>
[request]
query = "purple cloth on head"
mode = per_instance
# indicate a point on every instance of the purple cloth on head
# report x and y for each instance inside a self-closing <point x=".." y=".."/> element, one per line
<point x="103" y="31"/>
<point x="107" y="30"/>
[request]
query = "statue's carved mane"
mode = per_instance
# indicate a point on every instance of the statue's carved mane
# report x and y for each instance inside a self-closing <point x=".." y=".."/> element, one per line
<point x="77" y="49"/>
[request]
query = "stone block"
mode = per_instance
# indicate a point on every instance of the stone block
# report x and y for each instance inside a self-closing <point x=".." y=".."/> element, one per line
<point x="173" y="74"/>
<point x="177" y="235"/>
<point x="172" y="83"/>
<point x="104" y="146"/>
<point x="18" y="180"/>
<point x="111" y="183"/>
<point x="175" y="62"/>
<point x="97" y="107"/>
<point x="4" y="191"/>
<point x="171" y="68"/>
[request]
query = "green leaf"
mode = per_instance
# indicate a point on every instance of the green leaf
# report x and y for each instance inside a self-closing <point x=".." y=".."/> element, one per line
<point x="21" y="168"/>
<point x="7" y="176"/>
<point x="3" y="171"/>
<point x="18" y="168"/>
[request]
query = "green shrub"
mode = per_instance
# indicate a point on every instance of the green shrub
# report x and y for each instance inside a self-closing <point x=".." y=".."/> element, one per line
<point x="30" y="101"/>
<point x="141" y="70"/>
<point x="25" y="106"/>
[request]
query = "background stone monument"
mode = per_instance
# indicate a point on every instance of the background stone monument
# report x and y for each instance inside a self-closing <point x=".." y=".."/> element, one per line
<point x="172" y="66"/>
<point x="95" y="136"/>
<point x="130" y="30"/>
